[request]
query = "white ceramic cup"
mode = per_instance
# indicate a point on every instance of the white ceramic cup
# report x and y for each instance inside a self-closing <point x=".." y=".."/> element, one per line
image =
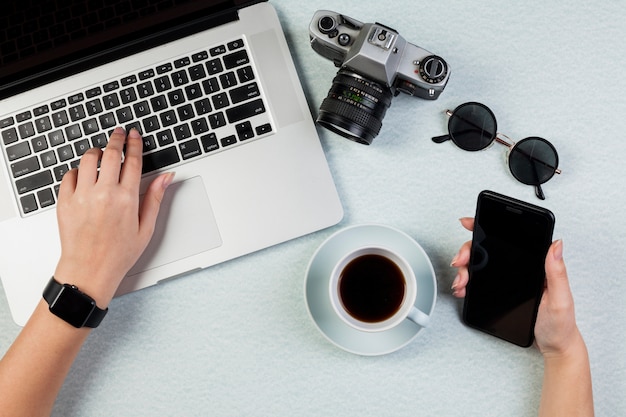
<point x="405" y="308"/>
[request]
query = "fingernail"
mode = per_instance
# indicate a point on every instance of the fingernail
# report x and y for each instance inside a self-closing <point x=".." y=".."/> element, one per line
<point x="455" y="283"/>
<point x="558" y="250"/>
<point x="134" y="133"/>
<point x="456" y="258"/>
<point x="169" y="177"/>
<point x="120" y="131"/>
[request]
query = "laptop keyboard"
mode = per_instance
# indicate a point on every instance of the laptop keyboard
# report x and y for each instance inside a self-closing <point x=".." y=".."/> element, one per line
<point x="187" y="108"/>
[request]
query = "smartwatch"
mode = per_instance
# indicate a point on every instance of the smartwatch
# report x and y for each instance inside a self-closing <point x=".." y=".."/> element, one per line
<point x="67" y="302"/>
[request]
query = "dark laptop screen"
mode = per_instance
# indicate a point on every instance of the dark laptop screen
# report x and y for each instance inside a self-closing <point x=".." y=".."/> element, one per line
<point x="43" y="40"/>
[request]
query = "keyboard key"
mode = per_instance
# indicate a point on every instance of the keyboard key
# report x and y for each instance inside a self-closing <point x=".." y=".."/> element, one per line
<point x="200" y="56"/>
<point x="263" y="129"/>
<point x="145" y="89"/>
<point x="41" y="110"/>
<point x="90" y="126"/>
<point x="114" y="85"/>
<point x="209" y="142"/>
<point x="214" y="66"/>
<point x="111" y="101"/>
<point x="211" y="86"/>
<point x="107" y="120"/>
<point x="39" y="143"/>
<point x="43" y="124"/>
<point x="220" y="101"/>
<point x="131" y="79"/>
<point x="162" y="84"/>
<point x="202" y="106"/>
<point x="93" y="92"/>
<point x="144" y="75"/>
<point x="158" y="103"/>
<point x="81" y="147"/>
<point x="244" y="93"/>
<point x="76" y="98"/>
<point x="33" y="182"/>
<point x="236" y="59"/>
<point x="94" y="107"/>
<point x="77" y="113"/>
<point x="25" y="166"/>
<point x="48" y="159"/>
<point x="193" y="91"/>
<point x="185" y="112"/>
<point x="26" y="130"/>
<point x="56" y="138"/>
<point x="165" y="137"/>
<point x="73" y="132"/>
<point x="100" y="141"/>
<point x="162" y="69"/>
<point x="245" y="74"/>
<point x="168" y="118"/>
<point x="190" y="149"/>
<point x="45" y="197"/>
<point x="160" y="159"/>
<point x="60" y="118"/>
<point x="17" y="151"/>
<point x="60" y="171"/>
<point x="176" y="97"/>
<point x="149" y="144"/>
<point x="218" y="50"/>
<point x="182" y="132"/>
<point x="229" y="140"/>
<point x="124" y="115"/>
<point x="128" y="95"/>
<point x="245" y="111"/>
<point x="29" y="204"/>
<point x="22" y="117"/>
<point x="244" y="130"/>
<point x="59" y="104"/>
<point x="183" y="62"/>
<point x="142" y="109"/>
<point x="228" y="80"/>
<point x="9" y="136"/>
<point x="65" y="153"/>
<point x="199" y="126"/>
<point x="217" y="120"/>
<point x="235" y="45"/>
<point x="9" y="121"/>
<point x="197" y="72"/>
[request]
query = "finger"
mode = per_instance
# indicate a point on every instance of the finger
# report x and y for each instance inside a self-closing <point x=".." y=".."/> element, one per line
<point x="151" y="204"/>
<point x="131" y="170"/>
<point x="556" y="274"/>
<point x="467" y="222"/>
<point x="68" y="184"/>
<point x="112" y="157"/>
<point x="463" y="256"/>
<point x="460" y="283"/>
<point x="88" y="169"/>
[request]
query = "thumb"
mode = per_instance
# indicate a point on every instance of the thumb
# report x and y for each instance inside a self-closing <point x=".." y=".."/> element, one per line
<point x="152" y="203"/>
<point x="556" y="273"/>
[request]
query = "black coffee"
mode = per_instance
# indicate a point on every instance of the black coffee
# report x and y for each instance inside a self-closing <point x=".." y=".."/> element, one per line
<point x="371" y="288"/>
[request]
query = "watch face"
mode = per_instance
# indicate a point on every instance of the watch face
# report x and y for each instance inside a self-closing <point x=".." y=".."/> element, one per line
<point x="72" y="306"/>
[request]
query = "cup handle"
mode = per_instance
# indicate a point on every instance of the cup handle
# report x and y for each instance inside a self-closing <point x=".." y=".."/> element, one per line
<point x="418" y="317"/>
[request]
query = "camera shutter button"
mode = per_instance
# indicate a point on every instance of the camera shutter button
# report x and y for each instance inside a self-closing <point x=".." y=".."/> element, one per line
<point x="344" y="39"/>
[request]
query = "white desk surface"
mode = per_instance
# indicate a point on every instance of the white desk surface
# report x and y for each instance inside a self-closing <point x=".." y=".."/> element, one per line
<point x="236" y="339"/>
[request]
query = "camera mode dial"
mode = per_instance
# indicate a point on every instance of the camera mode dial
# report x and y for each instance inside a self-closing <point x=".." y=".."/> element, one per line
<point x="433" y="69"/>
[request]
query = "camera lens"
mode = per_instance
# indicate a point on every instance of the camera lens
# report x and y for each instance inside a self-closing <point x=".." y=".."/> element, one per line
<point x="355" y="107"/>
<point x="326" y="24"/>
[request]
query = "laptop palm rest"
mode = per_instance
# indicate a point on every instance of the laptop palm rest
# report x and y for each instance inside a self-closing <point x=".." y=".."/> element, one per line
<point x="185" y="226"/>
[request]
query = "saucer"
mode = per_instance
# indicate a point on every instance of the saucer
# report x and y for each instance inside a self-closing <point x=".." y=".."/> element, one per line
<point x="318" y="277"/>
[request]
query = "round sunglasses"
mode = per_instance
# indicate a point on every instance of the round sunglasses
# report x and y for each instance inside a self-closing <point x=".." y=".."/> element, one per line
<point x="532" y="161"/>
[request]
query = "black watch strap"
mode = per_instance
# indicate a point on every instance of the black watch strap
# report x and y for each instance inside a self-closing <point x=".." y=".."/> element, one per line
<point x="70" y="304"/>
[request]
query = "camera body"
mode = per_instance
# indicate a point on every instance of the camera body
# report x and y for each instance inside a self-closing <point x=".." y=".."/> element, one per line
<point x="376" y="57"/>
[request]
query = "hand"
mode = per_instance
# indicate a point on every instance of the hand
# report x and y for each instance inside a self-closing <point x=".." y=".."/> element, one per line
<point x="555" y="329"/>
<point x="102" y="225"/>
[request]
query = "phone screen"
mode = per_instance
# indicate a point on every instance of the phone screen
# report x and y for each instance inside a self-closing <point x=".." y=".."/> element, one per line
<point x="507" y="267"/>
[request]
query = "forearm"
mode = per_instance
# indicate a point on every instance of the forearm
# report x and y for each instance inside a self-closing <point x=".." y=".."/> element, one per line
<point x="567" y="389"/>
<point x="34" y="368"/>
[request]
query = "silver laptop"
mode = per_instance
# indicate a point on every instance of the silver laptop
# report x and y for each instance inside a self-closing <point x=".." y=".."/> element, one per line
<point x="211" y="86"/>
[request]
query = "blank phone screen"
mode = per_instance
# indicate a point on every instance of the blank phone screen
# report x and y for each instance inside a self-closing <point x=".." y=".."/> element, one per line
<point x="507" y="268"/>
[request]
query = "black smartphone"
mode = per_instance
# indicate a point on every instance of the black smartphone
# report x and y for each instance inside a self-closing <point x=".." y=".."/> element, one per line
<point x="507" y="267"/>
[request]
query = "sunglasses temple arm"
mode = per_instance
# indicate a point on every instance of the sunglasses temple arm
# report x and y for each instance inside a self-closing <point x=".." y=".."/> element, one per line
<point x="441" y="139"/>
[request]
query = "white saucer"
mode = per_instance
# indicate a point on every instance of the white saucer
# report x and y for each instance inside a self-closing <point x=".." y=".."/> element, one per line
<point x="317" y="295"/>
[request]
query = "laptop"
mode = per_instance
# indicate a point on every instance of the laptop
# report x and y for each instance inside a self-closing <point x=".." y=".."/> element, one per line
<point x="211" y="86"/>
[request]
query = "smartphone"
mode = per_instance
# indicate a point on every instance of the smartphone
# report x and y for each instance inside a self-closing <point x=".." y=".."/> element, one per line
<point x="507" y="267"/>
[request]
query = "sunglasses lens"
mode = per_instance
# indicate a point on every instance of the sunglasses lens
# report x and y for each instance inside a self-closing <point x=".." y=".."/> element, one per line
<point x="472" y="126"/>
<point x="533" y="161"/>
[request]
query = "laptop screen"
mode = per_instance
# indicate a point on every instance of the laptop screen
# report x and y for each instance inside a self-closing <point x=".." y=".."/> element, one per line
<point x="44" y="40"/>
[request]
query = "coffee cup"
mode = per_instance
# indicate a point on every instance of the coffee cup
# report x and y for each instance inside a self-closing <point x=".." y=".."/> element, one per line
<point x="373" y="289"/>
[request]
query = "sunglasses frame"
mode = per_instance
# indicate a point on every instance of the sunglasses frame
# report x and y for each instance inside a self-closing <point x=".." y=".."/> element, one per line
<point x="503" y="140"/>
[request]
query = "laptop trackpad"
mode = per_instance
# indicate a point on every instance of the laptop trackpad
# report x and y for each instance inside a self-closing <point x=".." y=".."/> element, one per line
<point x="185" y="226"/>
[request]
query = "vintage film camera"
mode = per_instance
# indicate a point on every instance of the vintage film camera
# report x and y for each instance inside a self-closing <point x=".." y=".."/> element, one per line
<point x="375" y="63"/>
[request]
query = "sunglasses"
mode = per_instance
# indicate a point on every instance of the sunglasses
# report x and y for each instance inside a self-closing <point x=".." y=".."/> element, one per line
<point x="532" y="161"/>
